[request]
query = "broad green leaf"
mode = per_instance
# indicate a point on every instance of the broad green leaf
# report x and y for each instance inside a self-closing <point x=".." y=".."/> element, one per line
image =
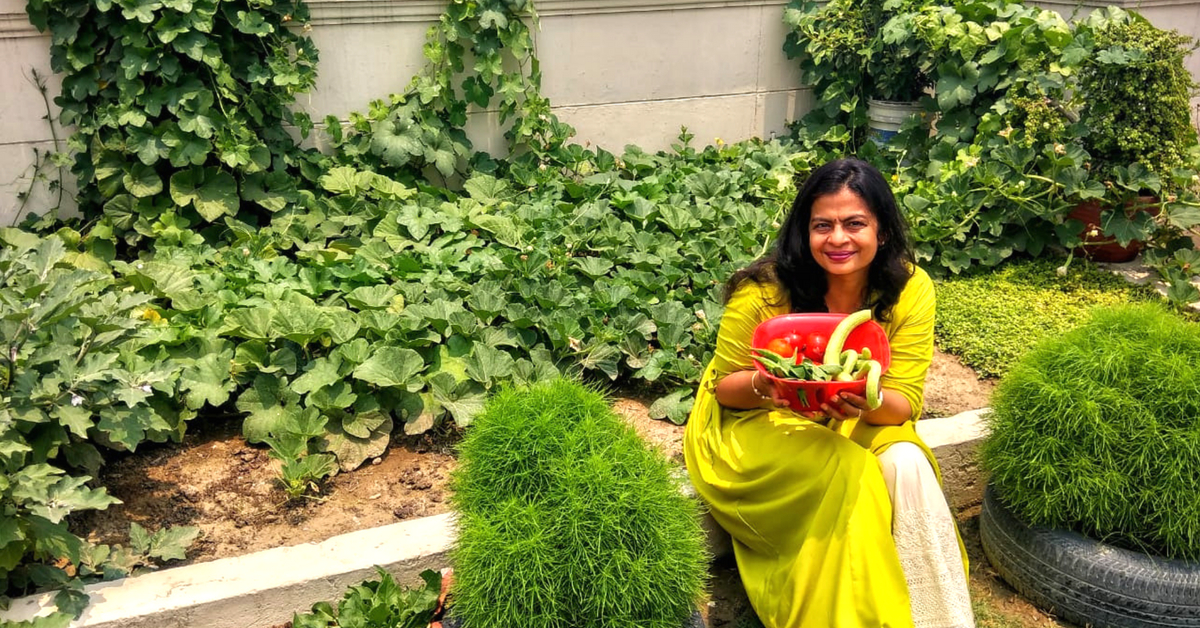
<point x="78" y="419"/>
<point x="488" y="365"/>
<point x="353" y="450"/>
<point x="53" y="540"/>
<point x="673" y="407"/>
<point x="207" y="380"/>
<point x="255" y="323"/>
<point x="171" y="543"/>
<point x="392" y="366"/>
<point x="212" y="192"/>
<point x="371" y="297"/>
<point x="345" y="180"/>
<point x="604" y="358"/>
<point x="319" y="373"/>
<point x="268" y="402"/>
<point x="300" y="323"/>
<point x="252" y="23"/>
<point x="487" y="189"/>
<point x="142" y="181"/>
<point x="336" y="396"/>
<point x="364" y="424"/>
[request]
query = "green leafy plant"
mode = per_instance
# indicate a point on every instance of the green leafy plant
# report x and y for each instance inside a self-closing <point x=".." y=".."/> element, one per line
<point x="1136" y="93"/>
<point x="847" y="60"/>
<point x="72" y="381"/>
<point x="292" y="441"/>
<point x="421" y="131"/>
<point x="179" y="107"/>
<point x="1094" y="431"/>
<point x="567" y="518"/>
<point x="378" y="604"/>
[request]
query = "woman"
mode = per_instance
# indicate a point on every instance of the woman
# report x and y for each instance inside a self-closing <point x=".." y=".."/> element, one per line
<point x="837" y="517"/>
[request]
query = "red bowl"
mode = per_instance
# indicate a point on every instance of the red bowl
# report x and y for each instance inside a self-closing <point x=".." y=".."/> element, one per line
<point x="869" y="335"/>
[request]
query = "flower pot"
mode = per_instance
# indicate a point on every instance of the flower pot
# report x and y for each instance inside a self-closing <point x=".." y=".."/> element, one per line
<point x="884" y="118"/>
<point x="1106" y="249"/>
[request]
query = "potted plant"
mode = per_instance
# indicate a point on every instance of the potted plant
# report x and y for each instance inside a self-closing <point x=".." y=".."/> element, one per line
<point x="1136" y="94"/>
<point x="567" y="518"/>
<point x="1092" y="505"/>
<point x="847" y="59"/>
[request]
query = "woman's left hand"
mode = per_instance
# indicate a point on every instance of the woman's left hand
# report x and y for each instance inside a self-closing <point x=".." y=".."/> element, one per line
<point x="844" y="406"/>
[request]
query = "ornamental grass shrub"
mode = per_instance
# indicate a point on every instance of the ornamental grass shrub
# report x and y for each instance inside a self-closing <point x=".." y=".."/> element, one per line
<point x="1098" y="430"/>
<point x="567" y="519"/>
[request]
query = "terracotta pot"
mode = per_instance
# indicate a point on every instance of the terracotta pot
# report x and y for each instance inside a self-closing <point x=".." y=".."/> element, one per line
<point x="1106" y="249"/>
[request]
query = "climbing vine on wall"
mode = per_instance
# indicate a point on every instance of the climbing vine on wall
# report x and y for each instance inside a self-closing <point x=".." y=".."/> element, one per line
<point x="180" y="107"/>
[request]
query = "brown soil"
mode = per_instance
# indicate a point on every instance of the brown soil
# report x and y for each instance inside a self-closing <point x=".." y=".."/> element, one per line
<point x="215" y="481"/>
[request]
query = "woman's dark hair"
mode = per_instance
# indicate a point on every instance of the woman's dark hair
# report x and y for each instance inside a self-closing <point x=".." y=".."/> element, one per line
<point x="791" y="264"/>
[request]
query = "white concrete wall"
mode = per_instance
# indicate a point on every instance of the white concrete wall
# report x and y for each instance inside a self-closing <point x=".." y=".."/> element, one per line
<point x="620" y="71"/>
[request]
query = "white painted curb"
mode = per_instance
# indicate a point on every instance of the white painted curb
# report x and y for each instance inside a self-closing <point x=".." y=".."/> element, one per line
<point x="264" y="589"/>
<point x="257" y="590"/>
<point x="963" y="427"/>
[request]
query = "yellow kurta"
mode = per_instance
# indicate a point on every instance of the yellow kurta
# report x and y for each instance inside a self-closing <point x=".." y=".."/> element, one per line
<point x="806" y="504"/>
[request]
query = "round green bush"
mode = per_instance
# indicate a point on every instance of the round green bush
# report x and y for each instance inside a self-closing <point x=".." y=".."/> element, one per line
<point x="567" y="519"/>
<point x="1098" y="430"/>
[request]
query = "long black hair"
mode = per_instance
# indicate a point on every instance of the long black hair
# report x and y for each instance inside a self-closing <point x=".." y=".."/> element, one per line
<point x="791" y="264"/>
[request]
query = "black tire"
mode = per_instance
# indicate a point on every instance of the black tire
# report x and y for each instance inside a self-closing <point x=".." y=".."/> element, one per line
<point x="1087" y="582"/>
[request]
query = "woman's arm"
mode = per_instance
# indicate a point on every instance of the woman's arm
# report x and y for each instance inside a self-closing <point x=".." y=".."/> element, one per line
<point x="745" y="390"/>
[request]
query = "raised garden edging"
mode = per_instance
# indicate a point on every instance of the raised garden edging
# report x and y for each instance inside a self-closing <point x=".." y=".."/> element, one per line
<point x="264" y="589"/>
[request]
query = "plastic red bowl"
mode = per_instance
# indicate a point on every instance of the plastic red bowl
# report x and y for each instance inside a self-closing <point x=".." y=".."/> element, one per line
<point x="869" y="335"/>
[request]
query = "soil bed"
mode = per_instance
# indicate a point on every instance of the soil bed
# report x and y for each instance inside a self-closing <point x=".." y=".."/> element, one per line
<point x="227" y="488"/>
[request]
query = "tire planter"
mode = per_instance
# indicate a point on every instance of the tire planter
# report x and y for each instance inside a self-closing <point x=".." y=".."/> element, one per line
<point x="1087" y="582"/>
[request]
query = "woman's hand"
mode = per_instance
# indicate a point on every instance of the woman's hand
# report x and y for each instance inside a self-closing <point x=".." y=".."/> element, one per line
<point x="845" y="405"/>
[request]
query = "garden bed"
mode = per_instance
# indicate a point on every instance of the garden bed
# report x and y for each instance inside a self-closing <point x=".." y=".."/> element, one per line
<point x="215" y="481"/>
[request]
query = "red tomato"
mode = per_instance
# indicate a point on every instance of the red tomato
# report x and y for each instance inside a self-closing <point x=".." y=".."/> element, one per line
<point x="782" y="347"/>
<point x="815" y="346"/>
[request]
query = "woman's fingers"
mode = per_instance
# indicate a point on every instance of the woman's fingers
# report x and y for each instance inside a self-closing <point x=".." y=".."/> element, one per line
<point x="844" y="406"/>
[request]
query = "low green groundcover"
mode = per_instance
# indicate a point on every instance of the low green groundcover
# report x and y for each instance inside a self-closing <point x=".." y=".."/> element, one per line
<point x="567" y="519"/>
<point x="1098" y="430"/>
<point x="990" y="317"/>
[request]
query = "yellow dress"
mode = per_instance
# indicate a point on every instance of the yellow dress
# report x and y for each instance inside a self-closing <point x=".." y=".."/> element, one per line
<point x="806" y="504"/>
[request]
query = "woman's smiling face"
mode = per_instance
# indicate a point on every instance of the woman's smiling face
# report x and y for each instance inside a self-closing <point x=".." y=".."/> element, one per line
<point x="843" y="233"/>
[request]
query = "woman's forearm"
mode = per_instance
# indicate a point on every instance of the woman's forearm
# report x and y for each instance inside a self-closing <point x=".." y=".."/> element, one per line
<point x="744" y="390"/>
<point x="894" y="410"/>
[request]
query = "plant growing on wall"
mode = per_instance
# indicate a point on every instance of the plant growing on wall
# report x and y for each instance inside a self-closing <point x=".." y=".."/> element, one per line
<point x="420" y="131"/>
<point x="180" y="107"/>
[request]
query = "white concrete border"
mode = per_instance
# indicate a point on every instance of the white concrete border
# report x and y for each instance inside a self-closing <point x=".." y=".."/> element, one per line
<point x="258" y="590"/>
<point x="264" y="589"/>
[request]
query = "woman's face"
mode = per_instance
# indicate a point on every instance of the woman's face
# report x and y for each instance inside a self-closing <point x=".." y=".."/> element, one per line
<point x="843" y="233"/>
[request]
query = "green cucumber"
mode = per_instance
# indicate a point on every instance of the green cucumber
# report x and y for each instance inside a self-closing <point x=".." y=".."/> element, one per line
<point x="848" y="360"/>
<point x="833" y="350"/>
<point x="874" y="397"/>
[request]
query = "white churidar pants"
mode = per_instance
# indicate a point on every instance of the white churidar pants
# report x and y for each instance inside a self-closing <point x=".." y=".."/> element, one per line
<point x="925" y="539"/>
